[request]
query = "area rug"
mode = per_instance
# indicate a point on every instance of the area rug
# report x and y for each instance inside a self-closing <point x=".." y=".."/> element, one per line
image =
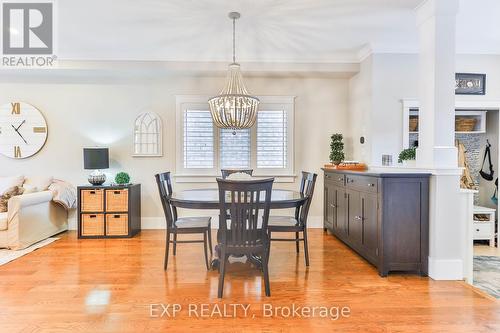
<point x="9" y="255"/>
<point x="487" y="274"/>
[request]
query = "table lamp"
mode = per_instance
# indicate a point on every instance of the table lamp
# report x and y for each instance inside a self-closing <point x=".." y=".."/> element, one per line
<point x="96" y="159"/>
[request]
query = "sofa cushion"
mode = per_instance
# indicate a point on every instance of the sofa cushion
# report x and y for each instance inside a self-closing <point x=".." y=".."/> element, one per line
<point x="38" y="184"/>
<point x="3" y="221"/>
<point x="7" y="183"/>
<point x="4" y="198"/>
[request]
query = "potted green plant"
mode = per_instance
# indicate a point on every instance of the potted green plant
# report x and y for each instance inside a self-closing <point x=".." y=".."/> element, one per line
<point x="407" y="156"/>
<point x="336" y="149"/>
<point x="122" y="178"/>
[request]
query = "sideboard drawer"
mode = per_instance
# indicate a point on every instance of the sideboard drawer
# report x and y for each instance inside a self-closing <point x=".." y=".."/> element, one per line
<point x="116" y="224"/>
<point x="362" y="183"/>
<point x="92" y="200"/>
<point x="92" y="224"/>
<point x="117" y="200"/>
<point x="335" y="178"/>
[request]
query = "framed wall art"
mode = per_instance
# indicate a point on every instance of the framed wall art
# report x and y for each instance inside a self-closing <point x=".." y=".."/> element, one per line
<point x="470" y="84"/>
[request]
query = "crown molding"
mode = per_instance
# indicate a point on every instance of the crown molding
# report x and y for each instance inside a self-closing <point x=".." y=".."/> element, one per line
<point x="72" y="69"/>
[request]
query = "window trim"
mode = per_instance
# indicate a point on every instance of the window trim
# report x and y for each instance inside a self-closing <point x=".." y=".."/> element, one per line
<point x="267" y="103"/>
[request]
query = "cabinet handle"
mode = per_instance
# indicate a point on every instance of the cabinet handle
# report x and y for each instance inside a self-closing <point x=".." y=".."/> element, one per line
<point x="371" y="185"/>
<point x="116" y="216"/>
<point x="117" y="192"/>
<point x="477" y="230"/>
<point x="341" y="179"/>
<point x="92" y="192"/>
<point x="357" y="217"/>
<point x="333" y="206"/>
<point x="349" y="180"/>
<point x="93" y="216"/>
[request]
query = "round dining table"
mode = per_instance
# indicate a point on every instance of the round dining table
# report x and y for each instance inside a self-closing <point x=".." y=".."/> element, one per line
<point x="209" y="199"/>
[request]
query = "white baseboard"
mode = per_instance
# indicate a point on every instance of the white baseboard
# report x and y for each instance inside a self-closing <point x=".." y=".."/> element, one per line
<point x="446" y="269"/>
<point x="72" y="223"/>
<point x="159" y="222"/>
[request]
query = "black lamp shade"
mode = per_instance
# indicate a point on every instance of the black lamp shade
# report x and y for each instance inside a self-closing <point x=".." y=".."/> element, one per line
<point x="95" y="158"/>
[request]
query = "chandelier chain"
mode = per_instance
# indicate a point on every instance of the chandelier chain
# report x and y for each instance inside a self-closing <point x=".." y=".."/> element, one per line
<point x="234" y="39"/>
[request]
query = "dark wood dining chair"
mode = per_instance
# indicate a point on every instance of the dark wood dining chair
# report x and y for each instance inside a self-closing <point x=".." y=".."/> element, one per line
<point x="245" y="235"/>
<point x="226" y="172"/>
<point x="297" y="223"/>
<point x="181" y="225"/>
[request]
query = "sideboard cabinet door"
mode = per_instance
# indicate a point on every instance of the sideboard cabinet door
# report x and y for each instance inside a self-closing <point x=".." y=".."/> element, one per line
<point x="355" y="219"/>
<point x="369" y="215"/>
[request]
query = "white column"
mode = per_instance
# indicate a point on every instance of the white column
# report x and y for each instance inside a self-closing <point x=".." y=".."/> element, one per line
<point x="437" y="152"/>
<point x="436" y="25"/>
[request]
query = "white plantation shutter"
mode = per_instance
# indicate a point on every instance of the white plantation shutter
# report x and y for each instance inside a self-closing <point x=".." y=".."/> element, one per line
<point x="272" y="139"/>
<point x="198" y="140"/>
<point x="234" y="148"/>
<point x="202" y="149"/>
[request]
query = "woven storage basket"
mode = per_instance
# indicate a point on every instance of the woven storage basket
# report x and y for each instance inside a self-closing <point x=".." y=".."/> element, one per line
<point x="465" y="124"/>
<point x="92" y="224"/>
<point x="92" y="200"/>
<point x="413" y="124"/>
<point x="116" y="224"/>
<point x="117" y="200"/>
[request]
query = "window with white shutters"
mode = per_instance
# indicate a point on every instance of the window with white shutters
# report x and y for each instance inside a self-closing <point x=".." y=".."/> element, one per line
<point x="198" y="140"/>
<point x="272" y="139"/>
<point x="203" y="149"/>
<point x="234" y="148"/>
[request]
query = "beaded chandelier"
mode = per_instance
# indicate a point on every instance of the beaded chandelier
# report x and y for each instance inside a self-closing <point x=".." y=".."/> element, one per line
<point x="234" y="108"/>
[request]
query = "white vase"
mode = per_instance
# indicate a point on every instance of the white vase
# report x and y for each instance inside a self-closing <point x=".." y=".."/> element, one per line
<point x="409" y="163"/>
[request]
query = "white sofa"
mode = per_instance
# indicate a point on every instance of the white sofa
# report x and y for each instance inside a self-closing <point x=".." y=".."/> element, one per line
<point x="31" y="218"/>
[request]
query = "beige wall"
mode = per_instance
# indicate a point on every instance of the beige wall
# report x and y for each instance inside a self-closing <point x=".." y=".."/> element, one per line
<point x="360" y="107"/>
<point x="86" y="112"/>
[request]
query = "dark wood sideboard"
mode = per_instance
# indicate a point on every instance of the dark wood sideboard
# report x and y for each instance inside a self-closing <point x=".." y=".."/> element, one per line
<point x="384" y="217"/>
<point x="109" y="211"/>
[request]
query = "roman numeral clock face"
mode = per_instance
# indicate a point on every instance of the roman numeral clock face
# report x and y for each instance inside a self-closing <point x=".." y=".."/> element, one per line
<point x="23" y="130"/>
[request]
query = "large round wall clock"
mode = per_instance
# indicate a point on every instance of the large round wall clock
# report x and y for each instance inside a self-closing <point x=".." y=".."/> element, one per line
<point x="23" y="130"/>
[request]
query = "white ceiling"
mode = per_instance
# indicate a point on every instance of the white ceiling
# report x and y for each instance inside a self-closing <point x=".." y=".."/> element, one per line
<point x="269" y="30"/>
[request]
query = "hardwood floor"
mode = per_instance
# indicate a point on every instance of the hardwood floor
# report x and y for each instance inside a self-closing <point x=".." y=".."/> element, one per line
<point x="486" y="250"/>
<point x="108" y="285"/>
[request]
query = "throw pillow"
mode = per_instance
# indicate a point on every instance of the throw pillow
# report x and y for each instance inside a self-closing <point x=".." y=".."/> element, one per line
<point x="6" y="183"/>
<point x="4" y="199"/>
<point x="40" y="183"/>
<point x="30" y="189"/>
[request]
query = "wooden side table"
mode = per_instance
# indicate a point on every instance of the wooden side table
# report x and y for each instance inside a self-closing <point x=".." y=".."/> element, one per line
<point x="109" y="211"/>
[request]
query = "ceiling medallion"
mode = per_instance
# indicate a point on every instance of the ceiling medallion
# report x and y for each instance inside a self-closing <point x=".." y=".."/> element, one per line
<point x="234" y="108"/>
